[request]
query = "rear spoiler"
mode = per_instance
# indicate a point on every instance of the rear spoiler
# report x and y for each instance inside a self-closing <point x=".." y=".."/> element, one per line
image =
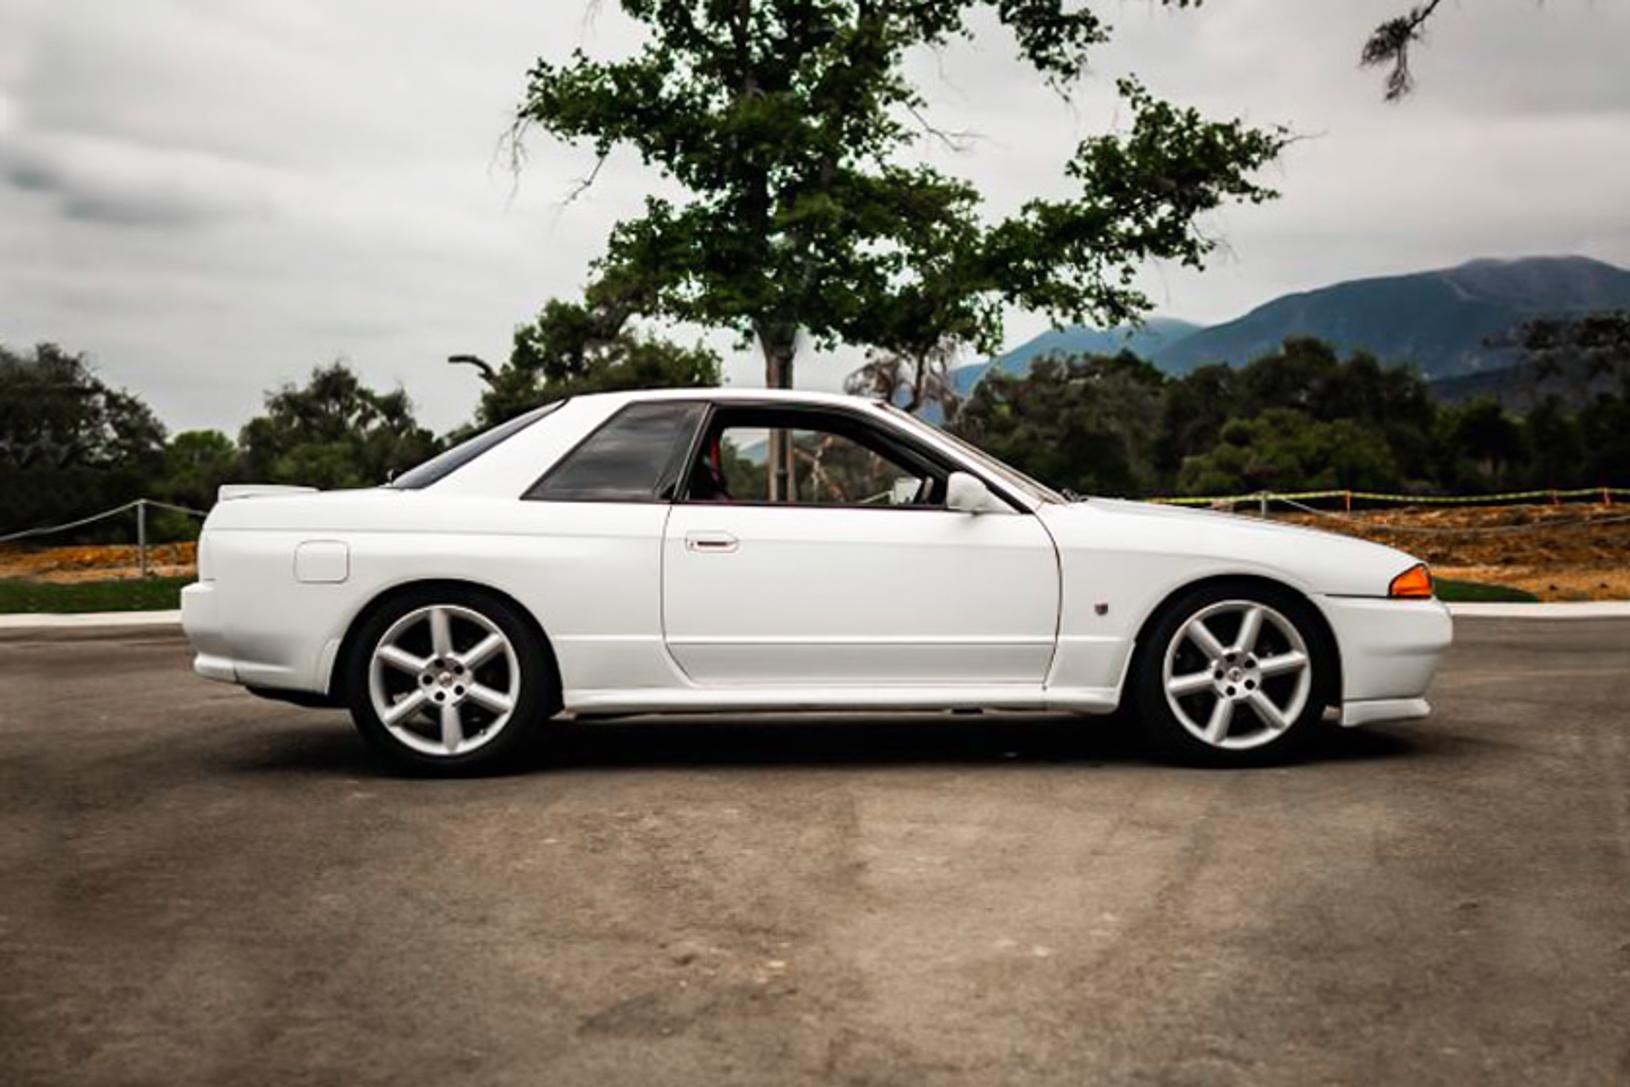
<point x="229" y="491"/>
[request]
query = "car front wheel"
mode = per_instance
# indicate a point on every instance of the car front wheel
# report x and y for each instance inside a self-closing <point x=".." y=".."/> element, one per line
<point x="1235" y="674"/>
<point x="447" y="680"/>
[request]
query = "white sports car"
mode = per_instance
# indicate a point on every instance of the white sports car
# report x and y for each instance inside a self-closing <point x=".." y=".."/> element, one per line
<point x="732" y="550"/>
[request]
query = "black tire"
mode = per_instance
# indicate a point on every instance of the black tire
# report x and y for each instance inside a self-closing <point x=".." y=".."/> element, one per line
<point x="1172" y="739"/>
<point x="538" y="687"/>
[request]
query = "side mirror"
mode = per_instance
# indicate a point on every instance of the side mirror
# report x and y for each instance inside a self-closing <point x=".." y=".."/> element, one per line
<point x="966" y="493"/>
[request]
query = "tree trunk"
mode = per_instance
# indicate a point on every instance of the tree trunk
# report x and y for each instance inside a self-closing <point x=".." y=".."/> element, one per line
<point x="779" y="343"/>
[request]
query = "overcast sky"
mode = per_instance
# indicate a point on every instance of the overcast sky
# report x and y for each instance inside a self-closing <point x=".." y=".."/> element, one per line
<point x="212" y="196"/>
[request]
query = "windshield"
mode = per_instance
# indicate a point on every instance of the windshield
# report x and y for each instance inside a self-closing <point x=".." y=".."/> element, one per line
<point x="1011" y="476"/>
<point x="451" y="460"/>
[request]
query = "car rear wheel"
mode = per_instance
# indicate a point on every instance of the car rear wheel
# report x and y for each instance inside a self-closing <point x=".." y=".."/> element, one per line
<point x="1232" y="674"/>
<point x="447" y="680"/>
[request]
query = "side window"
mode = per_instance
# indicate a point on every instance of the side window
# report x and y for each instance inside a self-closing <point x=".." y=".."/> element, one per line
<point x="635" y="456"/>
<point x="825" y="464"/>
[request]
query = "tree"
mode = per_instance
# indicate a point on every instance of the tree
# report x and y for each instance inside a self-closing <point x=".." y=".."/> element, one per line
<point x="196" y="463"/>
<point x="334" y="432"/>
<point x="1604" y="427"/>
<point x="1196" y="408"/>
<point x="788" y="124"/>
<point x="1304" y="375"/>
<point x="70" y="444"/>
<point x="576" y="348"/>
<point x="1554" y="437"/>
<point x="1286" y="450"/>
<point x="1085" y="424"/>
<point x="910" y="380"/>
<point x="1480" y="432"/>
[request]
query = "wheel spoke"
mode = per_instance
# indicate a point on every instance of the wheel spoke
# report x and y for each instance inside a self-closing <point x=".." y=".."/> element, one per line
<point x="452" y="727"/>
<point x="401" y="659"/>
<point x="1222" y="715"/>
<point x="1193" y="683"/>
<point x="496" y="701"/>
<point x="441" y="632"/>
<point x="1201" y="635"/>
<point x="483" y="651"/>
<point x="401" y="711"/>
<point x="1294" y="661"/>
<point x="1270" y="714"/>
<point x="1250" y="627"/>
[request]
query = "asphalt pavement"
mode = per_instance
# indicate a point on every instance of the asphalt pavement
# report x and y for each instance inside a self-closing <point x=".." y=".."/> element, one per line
<point x="197" y="886"/>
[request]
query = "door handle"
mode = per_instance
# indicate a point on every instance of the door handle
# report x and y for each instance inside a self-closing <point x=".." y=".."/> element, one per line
<point x="717" y="542"/>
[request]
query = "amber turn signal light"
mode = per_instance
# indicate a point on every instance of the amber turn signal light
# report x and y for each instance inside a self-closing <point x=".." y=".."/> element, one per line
<point x="1415" y="582"/>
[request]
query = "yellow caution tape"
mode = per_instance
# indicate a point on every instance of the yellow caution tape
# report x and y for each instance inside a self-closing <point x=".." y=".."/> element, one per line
<point x="1411" y="499"/>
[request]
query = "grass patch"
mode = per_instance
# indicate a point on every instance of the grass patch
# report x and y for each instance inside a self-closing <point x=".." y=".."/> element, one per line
<point x="1453" y="591"/>
<point x="124" y="594"/>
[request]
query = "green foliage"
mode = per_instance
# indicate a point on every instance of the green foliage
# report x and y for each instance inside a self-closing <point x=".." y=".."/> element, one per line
<point x="69" y="444"/>
<point x="572" y="349"/>
<point x="792" y="130"/>
<point x="1297" y="419"/>
<point x="1482" y="435"/>
<point x="196" y="463"/>
<point x="1086" y="424"/>
<point x="1284" y="449"/>
<point x="333" y="432"/>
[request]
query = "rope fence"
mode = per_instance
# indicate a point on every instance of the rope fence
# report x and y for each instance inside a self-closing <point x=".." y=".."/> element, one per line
<point x="1605" y="495"/>
<point x="1298" y="500"/>
<point x="140" y="505"/>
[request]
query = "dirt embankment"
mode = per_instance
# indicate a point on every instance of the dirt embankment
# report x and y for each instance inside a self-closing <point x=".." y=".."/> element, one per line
<point x="1558" y="552"/>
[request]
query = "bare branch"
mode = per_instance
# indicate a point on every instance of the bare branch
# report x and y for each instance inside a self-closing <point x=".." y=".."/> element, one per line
<point x="959" y="142"/>
<point x="584" y="183"/>
<point x="487" y="373"/>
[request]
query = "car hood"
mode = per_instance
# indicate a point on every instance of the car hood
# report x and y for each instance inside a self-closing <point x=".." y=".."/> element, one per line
<point x="1314" y="560"/>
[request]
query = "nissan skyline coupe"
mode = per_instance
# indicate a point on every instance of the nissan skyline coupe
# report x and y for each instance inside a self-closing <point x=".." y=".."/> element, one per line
<point x="732" y="550"/>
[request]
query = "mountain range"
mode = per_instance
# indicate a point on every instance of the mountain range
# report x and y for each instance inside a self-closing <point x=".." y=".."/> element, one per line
<point x="1438" y="321"/>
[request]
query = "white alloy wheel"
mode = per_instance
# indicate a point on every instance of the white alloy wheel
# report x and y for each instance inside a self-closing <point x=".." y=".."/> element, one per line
<point x="1237" y="674"/>
<point x="444" y="680"/>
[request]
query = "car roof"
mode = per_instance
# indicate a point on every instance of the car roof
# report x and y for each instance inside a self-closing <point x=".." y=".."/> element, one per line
<point x="727" y="392"/>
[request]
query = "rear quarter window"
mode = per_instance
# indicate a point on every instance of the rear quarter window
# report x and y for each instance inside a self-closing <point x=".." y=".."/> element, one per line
<point x="451" y="460"/>
<point x="635" y="456"/>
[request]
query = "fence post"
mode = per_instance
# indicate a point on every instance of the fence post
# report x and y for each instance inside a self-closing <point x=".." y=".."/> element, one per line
<point x="141" y="534"/>
<point x="1347" y="497"/>
<point x="1262" y="507"/>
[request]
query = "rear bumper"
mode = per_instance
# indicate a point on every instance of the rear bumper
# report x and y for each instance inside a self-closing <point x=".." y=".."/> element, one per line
<point x="257" y="655"/>
<point x="1389" y="653"/>
<point x="201" y="619"/>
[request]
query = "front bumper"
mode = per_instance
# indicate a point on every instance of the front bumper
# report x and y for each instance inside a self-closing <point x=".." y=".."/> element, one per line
<point x="1384" y="709"/>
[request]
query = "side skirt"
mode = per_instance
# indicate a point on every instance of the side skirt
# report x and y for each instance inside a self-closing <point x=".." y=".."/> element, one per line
<point x="751" y="699"/>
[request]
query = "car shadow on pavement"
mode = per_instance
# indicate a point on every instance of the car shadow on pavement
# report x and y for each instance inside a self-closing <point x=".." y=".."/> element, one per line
<point x="796" y="740"/>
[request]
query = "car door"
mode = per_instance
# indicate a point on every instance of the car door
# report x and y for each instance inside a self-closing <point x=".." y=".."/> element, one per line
<point x="845" y="568"/>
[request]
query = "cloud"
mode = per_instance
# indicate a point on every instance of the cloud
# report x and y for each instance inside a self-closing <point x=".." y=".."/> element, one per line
<point x="212" y="197"/>
<point x="123" y="184"/>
